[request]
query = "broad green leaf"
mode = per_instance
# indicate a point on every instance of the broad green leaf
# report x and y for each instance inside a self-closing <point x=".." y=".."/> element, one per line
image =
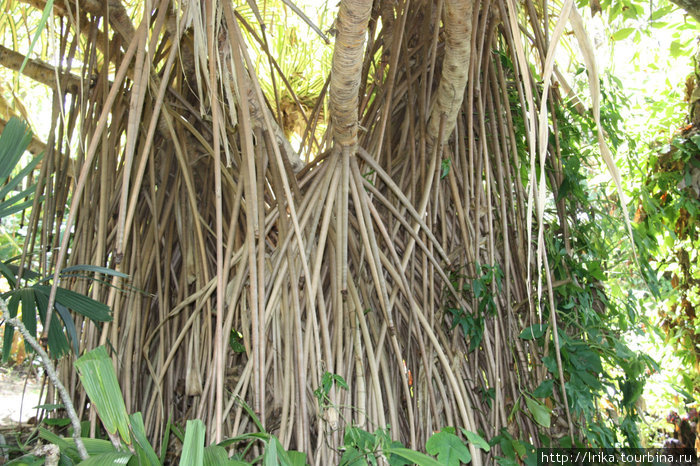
<point x="26" y="460"/>
<point x="448" y="448"/>
<point x="215" y="455"/>
<point x="193" y="446"/>
<point x="108" y="459"/>
<point x="296" y="458"/>
<point x="544" y="389"/>
<point x="415" y="457"/>
<point x="100" y="381"/>
<point x="519" y="447"/>
<point x="676" y="49"/>
<point x="270" y="456"/>
<point x="235" y="341"/>
<point x="623" y="33"/>
<point x="360" y="438"/>
<point x="144" y="451"/>
<point x="94" y="446"/>
<point x="476" y="439"/>
<point x="541" y="414"/>
<point x="56" y="422"/>
<point x="353" y="457"/>
<point x="533" y="332"/>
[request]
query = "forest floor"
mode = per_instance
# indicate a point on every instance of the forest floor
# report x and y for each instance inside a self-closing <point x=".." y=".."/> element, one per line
<point x="19" y="393"/>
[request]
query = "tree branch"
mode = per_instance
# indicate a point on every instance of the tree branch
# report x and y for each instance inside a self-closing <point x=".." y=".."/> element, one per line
<point x="692" y="7"/>
<point x="38" y="70"/>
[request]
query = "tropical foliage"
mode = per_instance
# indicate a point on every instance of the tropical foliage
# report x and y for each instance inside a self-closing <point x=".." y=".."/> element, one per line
<point x="423" y="269"/>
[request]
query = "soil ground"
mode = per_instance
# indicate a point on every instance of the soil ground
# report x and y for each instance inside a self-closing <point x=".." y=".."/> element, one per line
<point x="19" y="393"/>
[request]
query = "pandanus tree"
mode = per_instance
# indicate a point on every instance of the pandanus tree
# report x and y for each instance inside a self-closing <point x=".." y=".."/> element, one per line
<point x="401" y="249"/>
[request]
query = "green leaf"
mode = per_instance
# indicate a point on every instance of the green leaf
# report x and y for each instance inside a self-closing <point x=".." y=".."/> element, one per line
<point x="544" y="389"/>
<point x="476" y="439"/>
<point x="14" y="141"/>
<point x="164" y="442"/>
<point x="415" y="457"/>
<point x="676" y="49"/>
<point x="9" y="207"/>
<point x="6" y="272"/>
<point x="59" y="421"/>
<point x="445" y="168"/>
<point x="541" y="414"/>
<point x="49" y="406"/>
<point x="235" y="341"/>
<point x="26" y="460"/>
<point x="270" y="456"/>
<point x="88" y="307"/>
<point x="533" y="332"/>
<point x="144" y="451"/>
<point x="15" y="181"/>
<point x="69" y="325"/>
<point x="193" y="446"/>
<point x="296" y="458"/>
<point x="353" y="457"/>
<point x="108" y="459"/>
<point x="58" y="345"/>
<point x="362" y="439"/>
<point x="100" y="381"/>
<point x="448" y="448"/>
<point x="94" y="269"/>
<point x="215" y="455"/>
<point x="28" y="313"/>
<point x="622" y="33"/>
